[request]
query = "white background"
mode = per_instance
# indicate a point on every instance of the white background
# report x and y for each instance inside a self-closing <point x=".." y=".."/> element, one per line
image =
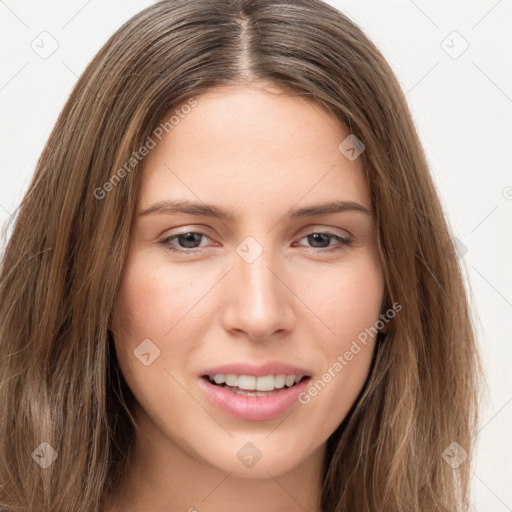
<point x="462" y="108"/>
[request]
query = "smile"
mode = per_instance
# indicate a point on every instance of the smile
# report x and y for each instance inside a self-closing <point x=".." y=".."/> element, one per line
<point x="253" y="404"/>
<point x="251" y="385"/>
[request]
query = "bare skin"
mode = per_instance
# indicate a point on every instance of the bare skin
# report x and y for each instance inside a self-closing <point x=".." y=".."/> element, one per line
<point x="257" y="153"/>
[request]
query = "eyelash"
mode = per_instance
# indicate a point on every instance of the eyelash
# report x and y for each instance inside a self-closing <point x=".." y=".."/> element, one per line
<point x="344" y="242"/>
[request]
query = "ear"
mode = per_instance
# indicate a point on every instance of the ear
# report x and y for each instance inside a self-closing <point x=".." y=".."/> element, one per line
<point x="382" y="317"/>
<point x="386" y="322"/>
<point x="110" y="323"/>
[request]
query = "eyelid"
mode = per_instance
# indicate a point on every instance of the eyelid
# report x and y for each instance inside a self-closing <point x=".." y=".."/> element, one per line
<point x="315" y="228"/>
<point x="343" y="240"/>
<point x="189" y="228"/>
<point x="320" y="228"/>
<point x="165" y="240"/>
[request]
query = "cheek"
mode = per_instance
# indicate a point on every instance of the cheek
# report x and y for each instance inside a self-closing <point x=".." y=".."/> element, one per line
<point x="350" y="305"/>
<point x="149" y="303"/>
<point x="150" y="300"/>
<point x="154" y="303"/>
<point x="145" y="308"/>
<point x="348" y="298"/>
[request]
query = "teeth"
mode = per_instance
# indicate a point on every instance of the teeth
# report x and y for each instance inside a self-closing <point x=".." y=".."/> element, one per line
<point x="252" y="393"/>
<point x="231" y="380"/>
<point x="279" y="381"/>
<point x="290" y="380"/>
<point x="219" y="378"/>
<point x="260" y="384"/>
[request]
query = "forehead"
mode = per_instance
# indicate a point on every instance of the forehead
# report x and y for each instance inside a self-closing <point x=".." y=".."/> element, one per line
<point x="253" y="144"/>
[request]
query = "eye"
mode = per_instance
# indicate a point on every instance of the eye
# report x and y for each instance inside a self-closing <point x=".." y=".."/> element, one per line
<point x="187" y="241"/>
<point x="190" y="241"/>
<point x="323" y="238"/>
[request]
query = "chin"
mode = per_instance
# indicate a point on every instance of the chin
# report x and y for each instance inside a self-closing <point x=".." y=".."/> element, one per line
<point x="258" y="456"/>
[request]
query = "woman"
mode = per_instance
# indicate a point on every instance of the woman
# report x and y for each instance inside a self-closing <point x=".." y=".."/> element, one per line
<point x="231" y="284"/>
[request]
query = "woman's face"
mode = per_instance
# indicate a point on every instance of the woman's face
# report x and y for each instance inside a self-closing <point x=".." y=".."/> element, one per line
<point x="251" y="298"/>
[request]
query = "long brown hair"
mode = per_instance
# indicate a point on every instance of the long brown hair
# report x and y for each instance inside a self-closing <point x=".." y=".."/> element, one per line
<point x="60" y="380"/>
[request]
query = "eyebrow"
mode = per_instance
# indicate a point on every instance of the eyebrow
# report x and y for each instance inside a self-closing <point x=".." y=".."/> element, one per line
<point x="202" y="209"/>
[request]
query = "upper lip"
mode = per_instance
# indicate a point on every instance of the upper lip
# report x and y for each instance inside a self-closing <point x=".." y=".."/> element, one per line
<point x="257" y="370"/>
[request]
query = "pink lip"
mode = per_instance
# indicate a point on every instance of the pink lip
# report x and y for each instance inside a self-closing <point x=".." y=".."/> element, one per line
<point x="268" y="368"/>
<point x="253" y="408"/>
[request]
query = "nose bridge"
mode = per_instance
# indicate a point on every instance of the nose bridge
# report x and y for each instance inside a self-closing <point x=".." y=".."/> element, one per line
<point x="259" y="301"/>
<point x="258" y="283"/>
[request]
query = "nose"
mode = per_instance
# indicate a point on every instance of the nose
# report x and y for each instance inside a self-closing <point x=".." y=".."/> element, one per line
<point x="259" y="302"/>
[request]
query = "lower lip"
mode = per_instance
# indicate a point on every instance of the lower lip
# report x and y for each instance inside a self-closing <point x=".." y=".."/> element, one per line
<point x="253" y="408"/>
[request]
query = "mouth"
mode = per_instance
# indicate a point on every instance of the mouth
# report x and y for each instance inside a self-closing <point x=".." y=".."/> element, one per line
<point x="250" y="385"/>
<point x="254" y="398"/>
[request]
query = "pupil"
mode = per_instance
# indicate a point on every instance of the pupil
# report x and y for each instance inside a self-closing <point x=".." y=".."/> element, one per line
<point x="315" y="237"/>
<point x="190" y="239"/>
